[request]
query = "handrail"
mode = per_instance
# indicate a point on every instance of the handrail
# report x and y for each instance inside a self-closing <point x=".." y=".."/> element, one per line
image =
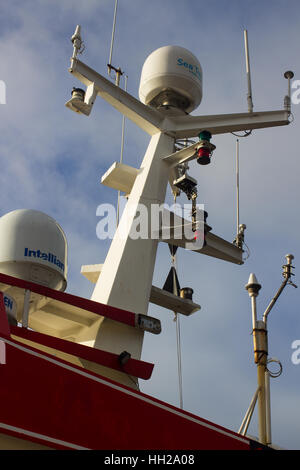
<point x="122" y="316"/>
<point x="132" y="367"/>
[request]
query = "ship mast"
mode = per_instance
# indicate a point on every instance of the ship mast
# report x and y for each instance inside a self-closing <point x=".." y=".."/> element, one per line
<point x="126" y="277"/>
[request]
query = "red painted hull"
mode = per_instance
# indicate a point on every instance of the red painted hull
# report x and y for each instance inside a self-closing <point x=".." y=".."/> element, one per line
<point x="53" y="402"/>
<point x="67" y="407"/>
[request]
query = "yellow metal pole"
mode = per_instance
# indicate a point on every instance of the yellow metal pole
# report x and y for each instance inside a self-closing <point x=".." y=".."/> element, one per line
<point x="260" y="343"/>
<point x="260" y="346"/>
<point x="261" y="402"/>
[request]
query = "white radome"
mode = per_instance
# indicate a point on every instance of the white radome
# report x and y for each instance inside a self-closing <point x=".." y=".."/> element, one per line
<point x="33" y="247"/>
<point x="173" y="69"/>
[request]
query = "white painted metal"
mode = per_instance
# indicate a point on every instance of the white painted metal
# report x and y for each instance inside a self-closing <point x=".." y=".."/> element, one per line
<point x="91" y="271"/>
<point x="148" y="119"/>
<point x="126" y="278"/>
<point x="77" y="42"/>
<point x="158" y="296"/>
<point x="180" y="233"/>
<point x="247" y="418"/>
<point x="249" y="95"/>
<point x="120" y="176"/>
<point x="33" y="248"/>
<point x="26" y="306"/>
<point x="182" y="156"/>
<point x="172" y="302"/>
<point x="189" y="126"/>
<point x="184" y="126"/>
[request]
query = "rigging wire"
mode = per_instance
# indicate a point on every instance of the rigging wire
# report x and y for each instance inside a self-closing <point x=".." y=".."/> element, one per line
<point x="237" y="189"/>
<point x="178" y="338"/>
<point x="119" y="73"/>
<point x="247" y="251"/>
<point x="178" y="333"/>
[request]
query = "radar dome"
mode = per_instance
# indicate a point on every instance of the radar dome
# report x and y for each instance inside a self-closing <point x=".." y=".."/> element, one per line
<point x="33" y="247"/>
<point x="171" y="75"/>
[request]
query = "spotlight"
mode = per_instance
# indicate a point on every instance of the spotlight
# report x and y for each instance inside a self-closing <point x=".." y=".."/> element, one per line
<point x="124" y="358"/>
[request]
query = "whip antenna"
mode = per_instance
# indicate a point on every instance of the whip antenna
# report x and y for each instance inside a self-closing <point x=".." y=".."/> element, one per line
<point x="249" y="95"/>
<point x="240" y="228"/>
<point x="109" y="67"/>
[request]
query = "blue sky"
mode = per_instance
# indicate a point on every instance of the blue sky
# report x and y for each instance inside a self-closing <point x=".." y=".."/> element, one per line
<point x="52" y="160"/>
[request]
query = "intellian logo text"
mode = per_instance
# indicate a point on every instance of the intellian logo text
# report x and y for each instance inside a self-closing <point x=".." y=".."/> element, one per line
<point x="45" y="256"/>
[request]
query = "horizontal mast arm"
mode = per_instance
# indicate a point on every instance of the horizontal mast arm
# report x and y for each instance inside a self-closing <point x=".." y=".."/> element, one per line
<point x="147" y="118"/>
<point x="190" y="126"/>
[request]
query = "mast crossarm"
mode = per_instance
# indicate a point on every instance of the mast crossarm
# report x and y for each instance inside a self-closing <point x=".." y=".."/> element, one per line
<point x="147" y="118"/>
<point x="153" y="121"/>
<point x="178" y="231"/>
<point x="190" y="126"/>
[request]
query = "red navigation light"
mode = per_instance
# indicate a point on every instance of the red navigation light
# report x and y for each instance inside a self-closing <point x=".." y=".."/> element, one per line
<point x="203" y="156"/>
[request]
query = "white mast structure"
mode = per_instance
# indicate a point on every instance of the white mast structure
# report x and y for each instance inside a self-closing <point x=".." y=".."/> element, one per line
<point x="125" y="280"/>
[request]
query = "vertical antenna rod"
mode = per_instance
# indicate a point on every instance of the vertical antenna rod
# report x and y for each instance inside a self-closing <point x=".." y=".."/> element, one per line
<point x="237" y="189"/>
<point x="240" y="228"/>
<point x="249" y="95"/>
<point x="112" y="38"/>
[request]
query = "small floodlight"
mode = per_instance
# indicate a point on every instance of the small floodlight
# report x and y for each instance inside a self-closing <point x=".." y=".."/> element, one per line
<point x="124" y="358"/>
<point x="81" y="101"/>
<point x="186" y="293"/>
